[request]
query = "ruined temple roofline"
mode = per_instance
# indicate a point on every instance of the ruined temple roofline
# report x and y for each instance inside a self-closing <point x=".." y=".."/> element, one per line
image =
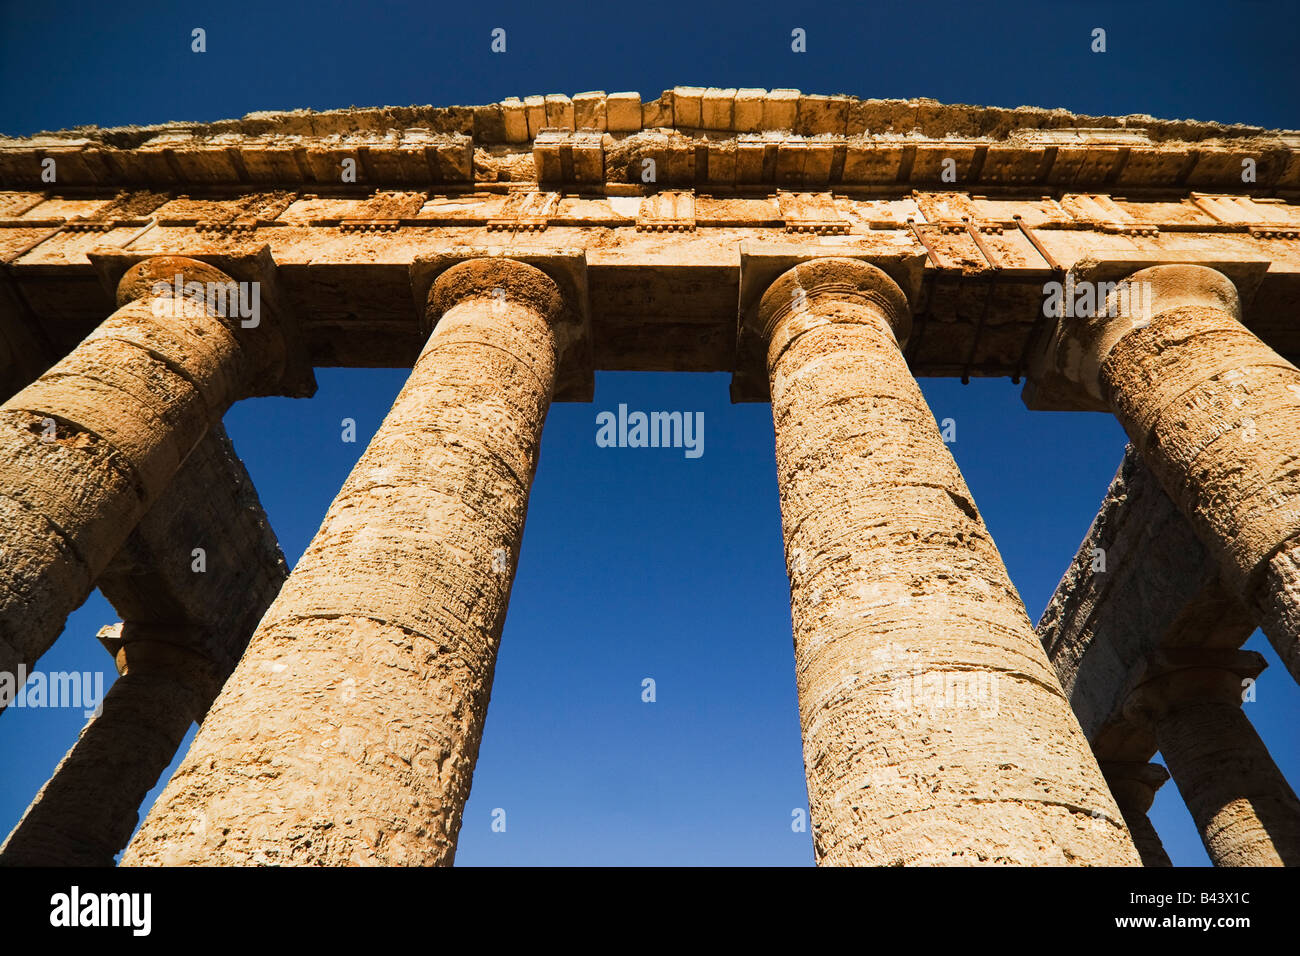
<point x="694" y="109"/>
<point x="711" y="138"/>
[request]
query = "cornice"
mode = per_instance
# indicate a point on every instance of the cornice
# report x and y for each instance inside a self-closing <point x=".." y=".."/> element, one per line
<point x="718" y="139"/>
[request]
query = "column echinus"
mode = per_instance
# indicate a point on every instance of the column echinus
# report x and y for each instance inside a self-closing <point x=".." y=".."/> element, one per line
<point x="1215" y="414"/>
<point x="935" y="730"/>
<point x="89" y="446"/>
<point x="349" y="731"/>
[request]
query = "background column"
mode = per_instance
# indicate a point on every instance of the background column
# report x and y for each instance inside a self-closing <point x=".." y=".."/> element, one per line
<point x="86" y="812"/>
<point x="186" y="626"/>
<point x="1247" y="813"/>
<point x="1134" y="785"/>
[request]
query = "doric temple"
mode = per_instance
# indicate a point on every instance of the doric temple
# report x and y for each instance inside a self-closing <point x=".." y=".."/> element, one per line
<point x="824" y="250"/>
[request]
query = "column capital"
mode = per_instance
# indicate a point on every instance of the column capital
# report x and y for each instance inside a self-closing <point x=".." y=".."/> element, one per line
<point x="1080" y="344"/>
<point x="1134" y="782"/>
<point x="1178" y="285"/>
<point x="270" y="333"/>
<point x="798" y="290"/>
<point x="1168" y="680"/>
<point x="551" y="282"/>
<point x="496" y="277"/>
<point x="158" y="275"/>
<point x="1097" y="303"/>
<point x="159" y="648"/>
<point x="814" y="293"/>
<point x="763" y="265"/>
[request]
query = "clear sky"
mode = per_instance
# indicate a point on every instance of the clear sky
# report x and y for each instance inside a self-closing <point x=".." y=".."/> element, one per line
<point x="641" y="562"/>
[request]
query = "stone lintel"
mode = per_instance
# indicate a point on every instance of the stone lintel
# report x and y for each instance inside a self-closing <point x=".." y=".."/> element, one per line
<point x="250" y="262"/>
<point x="761" y="264"/>
<point x="659" y="301"/>
<point x="575" y="379"/>
<point x="1160" y="590"/>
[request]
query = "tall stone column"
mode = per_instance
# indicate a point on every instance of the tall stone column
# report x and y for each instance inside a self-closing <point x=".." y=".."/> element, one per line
<point x="1247" y="813"/>
<point x="935" y="730"/>
<point x="1134" y="785"/>
<point x="1215" y="414"/>
<point x="87" y="811"/>
<point x="349" y="730"/>
<point x="91" y="444"/>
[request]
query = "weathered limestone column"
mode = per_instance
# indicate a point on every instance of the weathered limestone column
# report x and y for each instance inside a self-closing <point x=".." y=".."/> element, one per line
<point x="90" y="445"/>
<point x="349" y="730"/>
<point x="1134" y="785"/>
<point x="935" y="730"/>
<point x="1247" y="813"/>
<point x="87" y="811"/>
<point x="1215" y="414"/>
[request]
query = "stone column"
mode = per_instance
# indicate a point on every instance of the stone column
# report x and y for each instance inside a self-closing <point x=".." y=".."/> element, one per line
<point x="935" y="730"/>
<point x="87" y="811"/>
<point x="1247" y="813"/>
<point x="1134" y="785"/>
<point x="1215" y="414"/>
<point x="91" y="444"/>
<point x="349" y="730"/>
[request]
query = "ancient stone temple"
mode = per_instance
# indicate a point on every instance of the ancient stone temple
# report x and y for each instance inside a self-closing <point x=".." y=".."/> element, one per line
<point x="824" y="250"/>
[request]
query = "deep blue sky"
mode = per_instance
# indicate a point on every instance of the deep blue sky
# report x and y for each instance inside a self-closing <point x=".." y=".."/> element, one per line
<point x="639" y="562"/>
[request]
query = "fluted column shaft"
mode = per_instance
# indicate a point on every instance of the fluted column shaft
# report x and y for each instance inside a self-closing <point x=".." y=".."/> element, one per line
<point x="1215" y="414"/>
<point x="87" y="811"/>
<point x="935" y="730"/>
<point x="1134" y="785"/>
<point x="1247" y="813"/>
<point x="92" y="443"/>
<point x="349" y="730"/>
